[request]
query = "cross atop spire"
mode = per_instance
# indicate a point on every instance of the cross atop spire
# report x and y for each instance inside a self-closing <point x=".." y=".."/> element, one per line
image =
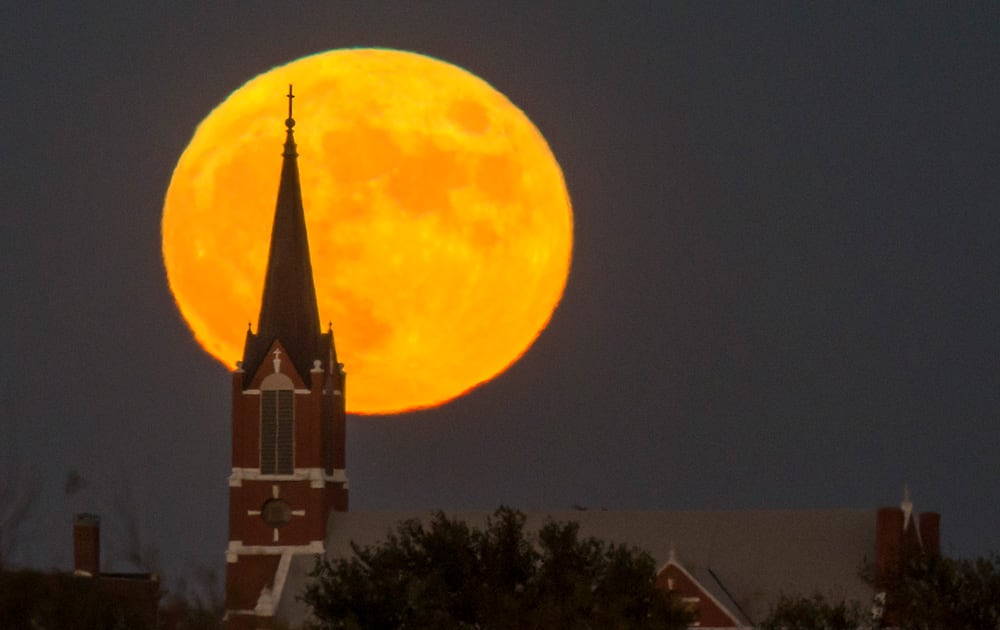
<point x="290" y="122"/>
<point x="290" y="151"/>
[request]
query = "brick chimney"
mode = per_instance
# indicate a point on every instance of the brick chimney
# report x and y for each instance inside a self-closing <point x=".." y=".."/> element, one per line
<point x="888" y="542"/>
<point x="87" y="545"/>
<point x="902" y="534"/>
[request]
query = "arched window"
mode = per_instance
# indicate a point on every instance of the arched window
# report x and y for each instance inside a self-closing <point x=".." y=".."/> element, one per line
<point x="277" y="425"/>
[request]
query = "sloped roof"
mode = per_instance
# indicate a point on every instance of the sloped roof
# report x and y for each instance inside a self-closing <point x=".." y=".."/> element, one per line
<point x="755" y="555"/>
<point x="707" y="585"/>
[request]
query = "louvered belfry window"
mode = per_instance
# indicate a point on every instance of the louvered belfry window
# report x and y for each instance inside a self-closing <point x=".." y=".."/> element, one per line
<point x="277" y="423"/>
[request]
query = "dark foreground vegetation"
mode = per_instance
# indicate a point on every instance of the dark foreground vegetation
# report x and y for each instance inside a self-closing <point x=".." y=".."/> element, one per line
<point x="929" y="592"/>
<point x="448" y="574"/>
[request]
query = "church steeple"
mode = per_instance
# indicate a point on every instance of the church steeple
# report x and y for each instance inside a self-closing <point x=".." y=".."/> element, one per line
<point x="288" y="425"/>
<point x="288" y="309"/>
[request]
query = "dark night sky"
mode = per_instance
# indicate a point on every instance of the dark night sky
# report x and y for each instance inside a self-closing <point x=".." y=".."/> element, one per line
<point x="784" y="290"/>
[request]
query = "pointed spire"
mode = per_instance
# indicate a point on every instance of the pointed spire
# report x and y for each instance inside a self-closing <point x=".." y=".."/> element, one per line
<point x="289" y="310"/>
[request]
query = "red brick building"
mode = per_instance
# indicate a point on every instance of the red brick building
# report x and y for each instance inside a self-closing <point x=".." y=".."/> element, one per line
<point x="289" y="492"/>
<point x="86" y="597"/>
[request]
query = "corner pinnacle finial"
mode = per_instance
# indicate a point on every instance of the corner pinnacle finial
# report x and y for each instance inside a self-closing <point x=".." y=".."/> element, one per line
<point x="906" y="506"/>
<point x="290" y="122"/>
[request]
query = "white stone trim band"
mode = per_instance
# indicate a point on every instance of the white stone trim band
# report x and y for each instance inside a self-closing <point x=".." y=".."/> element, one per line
<point x="316" y="477"/>
<point x="237" y="548"/>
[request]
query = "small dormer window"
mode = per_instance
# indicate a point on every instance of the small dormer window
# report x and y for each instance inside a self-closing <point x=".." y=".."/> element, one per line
<point x="277" y="426"/>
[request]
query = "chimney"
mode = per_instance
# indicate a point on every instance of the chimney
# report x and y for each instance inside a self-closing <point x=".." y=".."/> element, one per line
<point x="930" y="533"/>
<point x="87" y="545"/>
<point x="888" y="542"/>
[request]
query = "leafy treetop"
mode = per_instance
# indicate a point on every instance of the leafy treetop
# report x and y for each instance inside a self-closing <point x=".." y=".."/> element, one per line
<point x="448" y="574"/>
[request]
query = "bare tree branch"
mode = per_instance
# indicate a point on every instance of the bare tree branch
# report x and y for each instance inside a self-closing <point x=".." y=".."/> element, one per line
<point x="19" y="491"/>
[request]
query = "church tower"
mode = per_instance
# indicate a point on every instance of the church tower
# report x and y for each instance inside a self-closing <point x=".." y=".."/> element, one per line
<point x="288" y="421"/>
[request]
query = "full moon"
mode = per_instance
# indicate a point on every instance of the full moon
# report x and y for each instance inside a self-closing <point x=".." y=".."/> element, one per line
<point x="440" y="227"/>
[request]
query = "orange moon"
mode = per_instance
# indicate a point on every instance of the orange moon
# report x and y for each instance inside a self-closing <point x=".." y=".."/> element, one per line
<point x="439" y="223"/>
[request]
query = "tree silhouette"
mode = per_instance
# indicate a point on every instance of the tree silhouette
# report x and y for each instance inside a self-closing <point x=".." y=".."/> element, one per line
<point x="451" y="575"/>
